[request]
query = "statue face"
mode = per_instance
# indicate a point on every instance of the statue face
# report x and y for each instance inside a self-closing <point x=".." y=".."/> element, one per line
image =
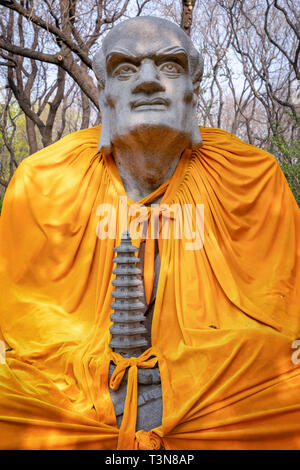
<point x="148" y="85"/>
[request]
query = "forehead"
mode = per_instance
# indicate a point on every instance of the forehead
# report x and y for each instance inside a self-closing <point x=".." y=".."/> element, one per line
<point x="145" y="38"/>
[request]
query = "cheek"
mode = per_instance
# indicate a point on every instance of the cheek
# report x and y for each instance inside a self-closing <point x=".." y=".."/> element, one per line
<point x="110" y="98"/>
<point x="113" y="94"/>
<point x="188" y="94"/>
<point x="117" y="99"/>
<point x="181" y="91"/>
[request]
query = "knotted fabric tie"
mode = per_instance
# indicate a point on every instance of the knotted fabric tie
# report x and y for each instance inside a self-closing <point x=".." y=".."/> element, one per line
<point x="147" y="440"/>
<point x="168" y="190"/>
<point x="147" y="360"/>
<point x="151" y="217"/>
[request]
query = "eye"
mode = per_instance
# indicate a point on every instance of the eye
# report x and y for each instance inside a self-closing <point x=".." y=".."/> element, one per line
<point x="124" y="71"/>
<point x="171" y="69"/>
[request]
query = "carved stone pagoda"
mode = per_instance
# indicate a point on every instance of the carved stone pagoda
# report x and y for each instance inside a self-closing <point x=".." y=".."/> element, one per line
<point x="128" y="327"/>
<point x="128" y="337"/>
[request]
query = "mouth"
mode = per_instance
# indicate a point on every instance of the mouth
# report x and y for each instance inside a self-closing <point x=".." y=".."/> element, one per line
<point x="154" y="103"/>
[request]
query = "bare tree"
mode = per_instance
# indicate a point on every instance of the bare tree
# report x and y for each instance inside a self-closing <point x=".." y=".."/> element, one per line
<point x="251" y="50"/>
<point x="49" y="43"/>
<point x="187" y="15"/>
<point x="9" y="115"/>
<point x="226" y="100"/>
<point x="265" y="39"/>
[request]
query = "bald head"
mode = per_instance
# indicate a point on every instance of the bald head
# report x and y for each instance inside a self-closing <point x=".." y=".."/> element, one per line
<point x="149" y="73"/>
<point x="135" y="33"/>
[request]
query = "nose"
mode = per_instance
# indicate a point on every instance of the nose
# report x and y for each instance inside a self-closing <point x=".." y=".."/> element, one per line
<point x="147" y="79"/>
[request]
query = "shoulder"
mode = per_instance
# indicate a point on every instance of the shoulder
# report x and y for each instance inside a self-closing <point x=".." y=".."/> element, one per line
<point x="59" y="152"/>
<point x="221" y="149"/>
<point x="223" y="141"/>
<point x="59" y="168"/>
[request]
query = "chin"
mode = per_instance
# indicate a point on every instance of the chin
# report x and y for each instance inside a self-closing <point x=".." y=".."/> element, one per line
<point x="151" y="127"/>
<point x="152" y="136"/>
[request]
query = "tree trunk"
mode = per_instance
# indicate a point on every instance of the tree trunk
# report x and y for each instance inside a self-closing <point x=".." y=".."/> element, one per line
<point x="187" y="15"/>
<point x="31" y="136"/>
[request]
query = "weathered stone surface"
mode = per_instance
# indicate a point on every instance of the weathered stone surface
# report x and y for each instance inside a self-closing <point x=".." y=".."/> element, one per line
<point x="149" y="74"/>
<point x="128" y="330"/>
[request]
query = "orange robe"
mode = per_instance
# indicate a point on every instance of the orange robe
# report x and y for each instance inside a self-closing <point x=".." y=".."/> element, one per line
<point x="231" y="387"/>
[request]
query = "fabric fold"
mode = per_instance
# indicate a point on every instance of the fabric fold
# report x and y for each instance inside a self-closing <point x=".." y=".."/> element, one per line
<point x="226" y="312"/>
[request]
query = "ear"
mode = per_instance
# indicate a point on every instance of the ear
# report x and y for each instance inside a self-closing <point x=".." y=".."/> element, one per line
<point x="105" y="145"/>
<point x="196" y="88"/>
<point x="196" y="140"/>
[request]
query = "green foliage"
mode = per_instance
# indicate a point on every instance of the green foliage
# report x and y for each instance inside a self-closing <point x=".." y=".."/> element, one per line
<point x="19" y="143"/>
<point x="292" y="174"/>
<point x="289" y="156"/>
<point x="13" y="125"/>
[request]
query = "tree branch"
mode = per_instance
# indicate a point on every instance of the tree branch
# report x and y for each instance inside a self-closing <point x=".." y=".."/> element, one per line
<point x="73" y="69"/>
<point x="50" y="28"/>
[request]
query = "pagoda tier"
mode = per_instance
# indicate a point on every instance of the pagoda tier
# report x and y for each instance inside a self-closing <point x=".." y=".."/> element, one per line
<point x="128" y="327"/>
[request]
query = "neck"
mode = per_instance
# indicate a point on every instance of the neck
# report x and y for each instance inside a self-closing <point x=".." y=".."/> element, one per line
<point x="145" y="164"/>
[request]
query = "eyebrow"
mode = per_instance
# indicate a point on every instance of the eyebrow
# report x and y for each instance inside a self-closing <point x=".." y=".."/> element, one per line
<point x="123" y="55"/>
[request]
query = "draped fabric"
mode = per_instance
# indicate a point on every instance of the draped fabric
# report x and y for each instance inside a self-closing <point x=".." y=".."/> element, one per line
<point x="226" y="314"/>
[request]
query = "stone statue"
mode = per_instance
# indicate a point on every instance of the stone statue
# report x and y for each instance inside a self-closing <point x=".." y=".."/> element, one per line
<point x="219" y="321"/>
<point x="148" y="75"/>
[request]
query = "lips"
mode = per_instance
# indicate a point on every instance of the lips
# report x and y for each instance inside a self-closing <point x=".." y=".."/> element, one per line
<point x="150" y="102"/>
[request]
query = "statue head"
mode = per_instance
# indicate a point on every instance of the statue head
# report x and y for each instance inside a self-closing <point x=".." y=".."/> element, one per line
<point x="148" y="75"/>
